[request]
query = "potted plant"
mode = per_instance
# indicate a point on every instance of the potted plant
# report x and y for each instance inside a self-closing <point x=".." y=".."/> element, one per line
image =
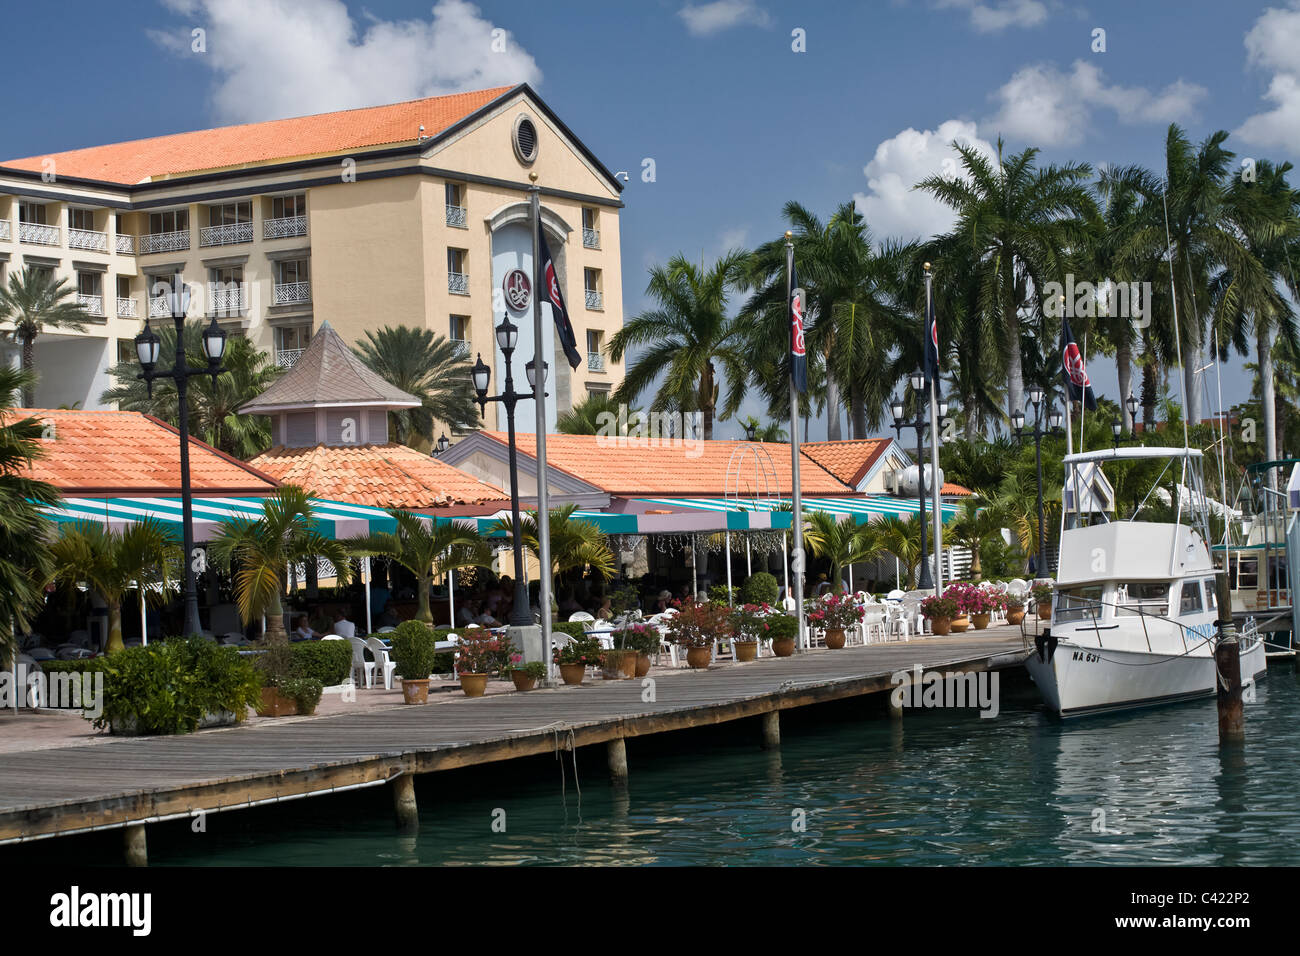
<point x="1042" y="594"/>
<point x="835" y="612"/>
<point x="274" y="667"/>
<point x="781" y="629"/>
<point x="576" y="656"/>
<point x="524" y="675"/>
<point x="696" y="626"/>
<point x="1015" y="609"/>
<point x="749" y="625"/>
<point x="940" y="611"/>
<point x="478" y="655"/>
<point x="413" y="653"/>
<point x="638" y="641"/>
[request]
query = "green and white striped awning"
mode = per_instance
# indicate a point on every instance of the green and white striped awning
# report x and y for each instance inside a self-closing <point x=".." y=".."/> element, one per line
<point x="334" y="519"/>
<point x="860" y="509"/>
<point x="696" y="520"/>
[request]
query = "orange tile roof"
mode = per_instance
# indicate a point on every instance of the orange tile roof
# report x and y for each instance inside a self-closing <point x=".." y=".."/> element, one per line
<point x="109" y="453"/>
<point x="382" y="476"/>
<point x="849" y="461"/>
<point x="623" y="467"/>
<point x="952" y="488"/>
<point x="231" y="146"/>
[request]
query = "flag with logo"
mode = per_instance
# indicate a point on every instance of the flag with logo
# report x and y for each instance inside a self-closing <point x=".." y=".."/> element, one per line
<point x="551" y="292"/>
<point x="931" y="341"/>
<point x="798" y="353"/>
<point x="1077" y="384"/>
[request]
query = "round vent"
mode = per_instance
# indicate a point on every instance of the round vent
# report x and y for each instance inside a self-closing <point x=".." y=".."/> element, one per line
<point x="525" y="140"/>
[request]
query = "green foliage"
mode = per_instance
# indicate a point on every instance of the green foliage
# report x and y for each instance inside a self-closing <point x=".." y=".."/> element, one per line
<point x="642" y="638"/>
<point x="598" y="414"/>
<point x="575" y="629"/>
<point x="169" y="687"/>
<point x="34" y="301"/>
<point x="722" y="594"/>
<point x="413" y="650"/>
<point x="699" y="624"/>
<point x="328" y="662"/>
<point x="580" y="650"/>
<point x="575" y="542"/>
<point x="534" y="669"/>
<point x="305" y="692"/>
<point x="760" y="588"/>
<point x="87" y="665"/>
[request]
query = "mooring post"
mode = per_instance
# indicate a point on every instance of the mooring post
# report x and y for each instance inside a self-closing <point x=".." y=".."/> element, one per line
<point x="408" y="812"/>
<point x="772" y="730"/>
<point x="895" y="707"/>
<point x="137" y="847"/>
<point x="1227" y="663"/>
<point x="616" y="757"/>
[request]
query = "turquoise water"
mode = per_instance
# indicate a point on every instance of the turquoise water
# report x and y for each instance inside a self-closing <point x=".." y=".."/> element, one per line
<point x="941" y="788"/>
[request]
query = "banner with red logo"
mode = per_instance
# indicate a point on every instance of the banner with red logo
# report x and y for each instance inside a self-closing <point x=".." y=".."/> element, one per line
<point x="1077" y="384"/>
<point x="551" y="293"/>
<point x="798" y="352"/>
<point x="931" y="342"/>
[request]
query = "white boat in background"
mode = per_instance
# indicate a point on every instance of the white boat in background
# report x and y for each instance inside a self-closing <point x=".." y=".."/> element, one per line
<point x="1133" y="615"/>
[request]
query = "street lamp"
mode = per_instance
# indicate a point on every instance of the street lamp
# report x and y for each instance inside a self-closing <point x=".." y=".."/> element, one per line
<point x="1131" y="404"/>
<point x="1116" y="430"/>
<point x="1018" y="422"/>
<point x="507" y="335"/>
<point x="749" y="431"/>
<point x="443" y="444"/>
<point x="147" y="346"/>
<point x="925" y="580"/>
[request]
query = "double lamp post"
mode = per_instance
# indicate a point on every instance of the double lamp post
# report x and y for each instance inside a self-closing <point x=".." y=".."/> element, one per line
<point x="921" y="423"/>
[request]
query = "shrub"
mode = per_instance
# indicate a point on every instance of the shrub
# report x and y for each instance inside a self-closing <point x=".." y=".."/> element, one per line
<point x="83" y="666"/>
<point x="973" y="599"/>
<point x="169" y="687"/>
<point x="305" y="691"/>
<point x="699" y="624"/>
<point x="835" y="610"/>
<point x="722" y="594"/>
<point x="761" y="588"/>
<point x="482" y="652"/>
<point x="413" y="652"/>
<point x="781" y="626"/>
<point x="580" y="650"/>
<point x="329" y="662"/>
<point x="642" y="638"/>
<point x="1042" y="593"/>
<point x="939" y="608"/>
<point x="575" y="629"/>
<point x="534" y="669"/>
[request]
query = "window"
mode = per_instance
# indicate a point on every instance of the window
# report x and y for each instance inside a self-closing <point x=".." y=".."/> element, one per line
<point x="287" y="207"/>
<point x="292" y="337"/>
<point x="228" y="276"/>
<point x="32" y="212"/>
<point x="1210" y="596"/>
<point x="455" y="194"/>
<point x="231" y="213"/>
<point x="460" y="328"/>
<point x="126" y="351"/>
<point x="124" y="287"/>
<point x="595" y="360"/>
<point x="291" y="270"/>
<point x="226" y="290"/>
<point x="1078" y="604"/>
<point x="1190" y="603"/>
<point x="590" y="231"/>
<point x="1247" y="573"/>
<point x="456" y="214"/>
<point x="89" y="283"/>
<point x="588" y="218"/>
<point x="524" y="139"/>
<point x="591" y="285"/>
<point x="457" y="280"/>
<point x="81" y="219"/>
<point x="1142" y="597"/>
<point x="173" y="220"/>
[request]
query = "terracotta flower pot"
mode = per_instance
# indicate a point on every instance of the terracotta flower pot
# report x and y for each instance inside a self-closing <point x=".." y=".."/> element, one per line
<point x="699" y="657"/>
<point x="783" y="646"/>
<point x="960" y="624"/>
<point x="643" y="663"/>
<point x="573" y="673"/>
<point x="276" y="704"/>
<point x="1045" y="611"/>
<point x="980" y="621"/>
<point x="746" y="650"/>
<point x="474" y="685"/>
<point x="620" y="665"/>
<point x="415" y="691"/>
<point x="941" y="626"/>
<point x="1015" y="616"/>
<point x="834" y="638"/>
<point x="523" y="681"/>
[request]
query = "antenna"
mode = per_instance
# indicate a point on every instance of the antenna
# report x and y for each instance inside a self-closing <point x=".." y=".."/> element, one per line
<point x="1173" y="297"/>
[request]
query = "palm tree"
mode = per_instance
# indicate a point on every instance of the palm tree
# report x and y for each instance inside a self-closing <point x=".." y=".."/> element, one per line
<point x="1021" y="222"/>
<point x="426" y="551"/>
<point x="143" y="555"/>
<point x="575" y="542"/>
<point x="841" y="542"/>
<point x="214" y="409"/>
<point x="901" y="537"/>
<point x="594" y="414"/>
<point x="431" y="367"/>
<point x="34" y="301"/>
<point x="263" y="548"/>
<point x="973" y="524"/>
<point x="769" y="432"/>
<point x="684" y="337"/>
<point x="24" y="556"/>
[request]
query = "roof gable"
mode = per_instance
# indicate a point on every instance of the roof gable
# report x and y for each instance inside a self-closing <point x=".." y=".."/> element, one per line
<point x="849" y="461"/>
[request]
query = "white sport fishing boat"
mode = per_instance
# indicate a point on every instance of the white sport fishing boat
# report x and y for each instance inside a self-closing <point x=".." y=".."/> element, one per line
<point x="1133" y="618"/>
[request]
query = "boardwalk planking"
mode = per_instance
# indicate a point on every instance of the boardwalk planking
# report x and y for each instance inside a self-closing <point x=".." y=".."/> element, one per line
<point x="62" y="790"/>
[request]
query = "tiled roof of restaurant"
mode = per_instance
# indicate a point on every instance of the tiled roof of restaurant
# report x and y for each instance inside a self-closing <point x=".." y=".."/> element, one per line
<point x="952" y="488"/>
<point x="251" y="143"/>
<point x="626" y="466"/>
<point x="849" y="461"/>
<point x="107" y="453"/>
<point x="328" y="373"/>
<point x="382" y="476"/>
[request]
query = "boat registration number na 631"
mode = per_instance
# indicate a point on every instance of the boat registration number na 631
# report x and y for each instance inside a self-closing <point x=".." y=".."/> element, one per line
<point x="1086" y="656"/>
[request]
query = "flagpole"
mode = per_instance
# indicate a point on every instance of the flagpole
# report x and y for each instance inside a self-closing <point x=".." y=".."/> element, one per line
<point x="539" y="399"/>
<point x="935" y="490"/>
<point x="798" y="556"/>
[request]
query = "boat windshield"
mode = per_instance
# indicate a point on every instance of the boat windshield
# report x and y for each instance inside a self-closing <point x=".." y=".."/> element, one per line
<point x="1077" y="604"/>
<point x="1142" y="597"/>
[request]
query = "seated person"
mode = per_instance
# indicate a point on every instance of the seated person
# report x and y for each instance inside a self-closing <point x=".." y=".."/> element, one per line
<point x="389" y="617"/>
<point x="342" y="626"/>
<point x="303" y="631"/>
<point x="485" y="619"/>
<point x="604" y="612"/>
<point x="664" y="601"/>
<point x="467" y="613"/>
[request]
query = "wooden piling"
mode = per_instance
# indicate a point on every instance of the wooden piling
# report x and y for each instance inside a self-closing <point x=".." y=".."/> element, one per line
<point x="616" y="757"/>
<point x="772" y="730"/>
<point x="404" y="805"/>
<point x="1227" y="662"/>
<point x="136" y="845"/>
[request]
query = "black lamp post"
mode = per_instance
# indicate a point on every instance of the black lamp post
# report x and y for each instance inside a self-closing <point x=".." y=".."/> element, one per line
<point x="1018" y="422"/>
<point x="749" y="431"/>
<point x="1131" y="404"/>
<point x="442" y="445"/>
<point x="925" y="580"/>
<point x="146" y="350"/>
<point x="507" y="334"/>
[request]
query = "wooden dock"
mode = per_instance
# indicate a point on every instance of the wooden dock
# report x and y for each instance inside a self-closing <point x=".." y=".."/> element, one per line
<point x="135" y="781"/>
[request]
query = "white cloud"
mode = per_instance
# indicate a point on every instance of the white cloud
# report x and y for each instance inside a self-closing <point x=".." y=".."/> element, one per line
<point x="891" y="206"/>
<point x="997" y="16"/>
<point x="1273" y="43"/>
<point x="297" y="57"/>
<point x="706" y="19"/>
<point x="1046" y="107"/>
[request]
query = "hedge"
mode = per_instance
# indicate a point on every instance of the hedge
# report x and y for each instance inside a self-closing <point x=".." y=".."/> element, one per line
<point x="761" y="588"/>
<point x="329" y="662"/>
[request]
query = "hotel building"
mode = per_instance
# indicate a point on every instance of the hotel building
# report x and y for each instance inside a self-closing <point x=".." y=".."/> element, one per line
<point x="409" y="214"/>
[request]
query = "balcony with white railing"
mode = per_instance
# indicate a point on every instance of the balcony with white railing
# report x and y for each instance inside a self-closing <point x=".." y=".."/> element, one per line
<point x="88" y="240"/>
<point x="285" y="358"/>
<point x="165" y="242"/>
<point x="91" y="304"/>
<point x="159" y="307"/>
<point x="291" y="293"/>
<point x="124" y="244"/>
<point x="591" y="238"/>
<point x="229" y="234"/>
<point x="458" y="216"/>
<point x="458" y="282"/>
<point x="225" y="300"/>
<point x="595" y="362"/>
<point x="594" y="300"/>
<point x="39" y="235"/>
<point x="5" y="229"/>
<point x="462" y="347"/>
<point x="126" y="308"/>
<point x="284" y="228"/>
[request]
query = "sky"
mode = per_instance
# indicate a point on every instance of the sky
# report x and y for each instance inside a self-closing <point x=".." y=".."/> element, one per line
<point x="734" y="106"/>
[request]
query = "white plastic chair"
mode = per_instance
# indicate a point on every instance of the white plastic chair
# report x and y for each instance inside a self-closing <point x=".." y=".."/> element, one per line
<point x="896" y="595"/>
<point x="386" y="630"/>
<point x="873" y="623"/>
<point x="581" y="617"/>
<point x="359" y="662"/>
<point x="382" y="662"/>
<point x="331" y="637"/>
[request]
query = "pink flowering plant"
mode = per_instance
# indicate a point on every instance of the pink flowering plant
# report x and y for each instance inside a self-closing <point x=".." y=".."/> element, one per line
<point x="972" y="599"/>
<point x="835" y="611"/>
<point x="642" y="638"/>
<point x="749" y="621"/>
<point x="938" y="608"/>
<point x="480" y="652"/>
<point x="699" y="624"/>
